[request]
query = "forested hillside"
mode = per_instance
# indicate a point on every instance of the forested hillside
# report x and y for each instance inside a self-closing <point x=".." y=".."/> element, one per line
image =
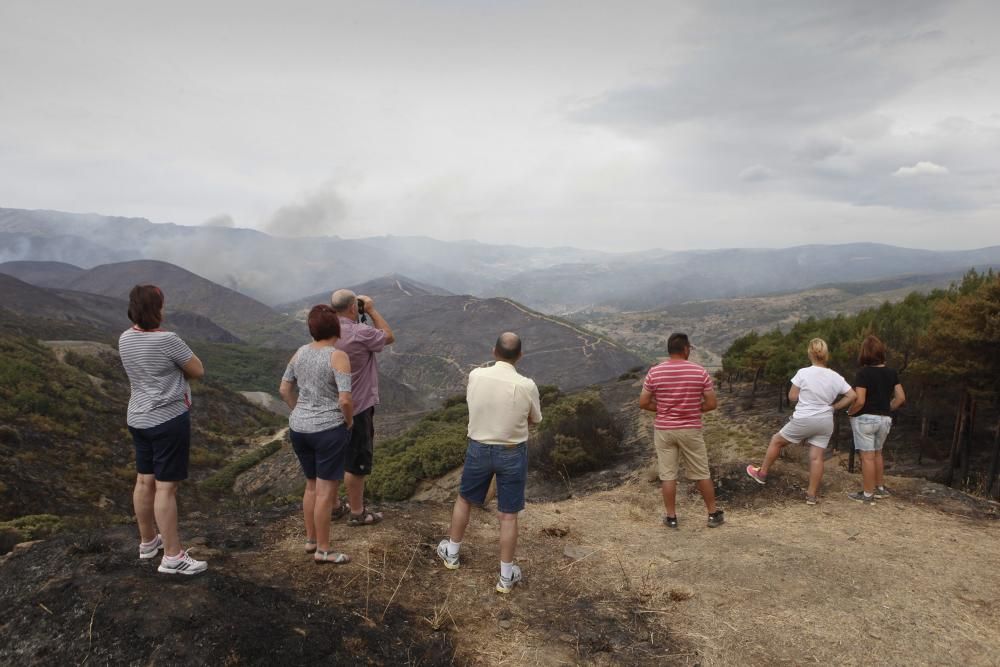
<point x="946" y="345"/>
<point x="64" y="447"/>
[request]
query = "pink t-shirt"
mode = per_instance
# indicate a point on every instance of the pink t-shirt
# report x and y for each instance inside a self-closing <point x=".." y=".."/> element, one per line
<point x="360" y="342"/>
<point x="677" y="387"/>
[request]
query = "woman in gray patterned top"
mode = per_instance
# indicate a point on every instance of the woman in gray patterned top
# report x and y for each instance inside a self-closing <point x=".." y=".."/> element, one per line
<point x="317" y="387"/>
<point x="158" y="365"/>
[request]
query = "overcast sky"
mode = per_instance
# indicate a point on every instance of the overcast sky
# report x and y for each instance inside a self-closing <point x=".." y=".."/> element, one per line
<point x="616" y="125"/>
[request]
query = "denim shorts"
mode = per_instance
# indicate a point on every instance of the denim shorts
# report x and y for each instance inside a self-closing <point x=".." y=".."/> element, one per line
<point x="870" y="432"/>
<point x="163" y="450"/>
<point x="508" y="463"/>
<point x="322" y="454"/>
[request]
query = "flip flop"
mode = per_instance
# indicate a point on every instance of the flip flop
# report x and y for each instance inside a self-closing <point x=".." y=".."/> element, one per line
<point x="310" y="546"/>
<point x="331" y="557"/>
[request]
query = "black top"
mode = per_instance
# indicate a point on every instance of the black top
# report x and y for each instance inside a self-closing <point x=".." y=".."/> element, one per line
<point x="879" y="383"/>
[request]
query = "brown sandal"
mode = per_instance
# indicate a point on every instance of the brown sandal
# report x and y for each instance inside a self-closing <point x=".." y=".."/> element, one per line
<point x="341" y="511"/>
<point x="365" y="518"/>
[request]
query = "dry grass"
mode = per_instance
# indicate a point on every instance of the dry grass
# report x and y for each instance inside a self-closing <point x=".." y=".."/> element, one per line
<point x="905" y="582"/>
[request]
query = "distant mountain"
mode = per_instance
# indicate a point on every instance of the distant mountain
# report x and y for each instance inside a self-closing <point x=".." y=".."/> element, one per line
<point x="391" y="287"/>
<point x="715" y="323"/>
<point x="54" y="313"/>
<point x="657" y="280"/>
<point x="440" y="337"/>
<point x="557" y="280"/>
<point x="269" y="268"/>
<point x="43" y="274"/>
<point x="248" y="319"/>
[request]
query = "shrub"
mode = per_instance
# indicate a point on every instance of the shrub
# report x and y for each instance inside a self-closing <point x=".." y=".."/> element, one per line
<point x="453" y="400"/>
<point x="548" y="394"/>
<point x="9" y="435"/>
<point x="224" y="479"/>
<point x="34" y="526"/>
<point x="434" y="446"/>
<point x="578" y="434"/>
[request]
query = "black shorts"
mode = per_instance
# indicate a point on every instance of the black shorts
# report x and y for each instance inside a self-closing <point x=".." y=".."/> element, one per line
<point x="163" y="450"/>
<point x="361" y="449"/>
<point x="321" y="454"/>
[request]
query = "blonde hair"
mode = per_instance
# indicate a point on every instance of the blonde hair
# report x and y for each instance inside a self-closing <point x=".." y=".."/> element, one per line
<point x="818" y="351"/>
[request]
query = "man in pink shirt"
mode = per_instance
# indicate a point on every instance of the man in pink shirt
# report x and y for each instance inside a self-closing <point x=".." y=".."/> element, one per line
<point x="678" y="391"/>
<point x="361" y="343"/>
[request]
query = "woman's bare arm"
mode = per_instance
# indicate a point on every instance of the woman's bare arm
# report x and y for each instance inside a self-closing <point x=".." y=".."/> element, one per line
<point x="289" y="393"/>
<point x="193" y="369"/>
<point x="859" y="400"/>
<point x="898" y="397"/>
<point x="342" y="364"/>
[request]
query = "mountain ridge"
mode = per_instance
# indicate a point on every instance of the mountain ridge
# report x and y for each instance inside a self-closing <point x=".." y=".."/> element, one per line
<point x="562" y="279"/>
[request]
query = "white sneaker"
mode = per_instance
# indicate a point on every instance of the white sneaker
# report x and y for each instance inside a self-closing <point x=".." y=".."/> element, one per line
<point x="450" y="562"/>
<point x="505" y="585"/>
<point x="182" y="563"/>
<point x="147" y="551"/>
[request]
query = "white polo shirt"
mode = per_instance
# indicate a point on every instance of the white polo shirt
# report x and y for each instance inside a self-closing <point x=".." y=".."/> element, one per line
<point x="501" y="401"/>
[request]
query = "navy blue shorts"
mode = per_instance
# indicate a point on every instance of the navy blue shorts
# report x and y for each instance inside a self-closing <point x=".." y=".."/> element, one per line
<point x="510" y="466"/>
<point x="321" y="454"/>
<point x="361" y="445"/>
<point x="163" y="450"/>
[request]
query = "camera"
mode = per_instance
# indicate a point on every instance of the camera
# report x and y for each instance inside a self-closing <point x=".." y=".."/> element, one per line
<point x="361" y="306"/>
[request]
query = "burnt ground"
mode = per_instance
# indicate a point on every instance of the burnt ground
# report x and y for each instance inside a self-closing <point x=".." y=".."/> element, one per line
<point x="913" y="580"/>
<point x="88" y="598"/>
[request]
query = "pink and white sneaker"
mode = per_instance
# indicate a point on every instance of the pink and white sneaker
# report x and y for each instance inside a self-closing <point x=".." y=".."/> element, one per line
<point x="182" y="563"/>
<point x="754" y="473"/>
<point x="149" y="549"/>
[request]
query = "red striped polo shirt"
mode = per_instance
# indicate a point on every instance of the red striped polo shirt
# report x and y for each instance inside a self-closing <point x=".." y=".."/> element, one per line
<point x="677" y="387"/>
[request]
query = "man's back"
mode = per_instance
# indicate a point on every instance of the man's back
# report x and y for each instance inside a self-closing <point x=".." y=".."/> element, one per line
<point x="360" y="342"/>
<point x="677" y="387"/>
<point x="501" y="403"/>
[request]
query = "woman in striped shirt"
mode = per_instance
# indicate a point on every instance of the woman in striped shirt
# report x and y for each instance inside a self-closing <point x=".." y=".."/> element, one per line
<point x="158" y="364"/>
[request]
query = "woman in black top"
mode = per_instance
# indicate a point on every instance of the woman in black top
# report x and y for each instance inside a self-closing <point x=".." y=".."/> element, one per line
<point x="879" y="394"/>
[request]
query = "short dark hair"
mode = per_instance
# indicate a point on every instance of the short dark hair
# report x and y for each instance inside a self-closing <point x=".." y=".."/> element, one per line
<point x="677" y="343"/>
<point x="323" y="322"/>
<point x="508" y="346"/>
<point x="872" y="351"/>
<point x="145" y="306"/>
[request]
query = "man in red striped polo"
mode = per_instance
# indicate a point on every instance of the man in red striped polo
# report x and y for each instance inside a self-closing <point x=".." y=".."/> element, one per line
<point x="678" y="391"/>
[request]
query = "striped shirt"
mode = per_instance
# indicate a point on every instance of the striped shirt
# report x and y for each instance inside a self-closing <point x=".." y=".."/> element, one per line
<point x="677" y="387"/>
<point x="152" y="361"/>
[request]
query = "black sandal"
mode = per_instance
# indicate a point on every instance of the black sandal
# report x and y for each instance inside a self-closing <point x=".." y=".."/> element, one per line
<point x="365" y="518"/>
<point x="341" y="511"/>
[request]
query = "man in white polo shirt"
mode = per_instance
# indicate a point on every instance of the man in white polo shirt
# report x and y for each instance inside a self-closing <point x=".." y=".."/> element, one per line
<point x="502" y="403"/>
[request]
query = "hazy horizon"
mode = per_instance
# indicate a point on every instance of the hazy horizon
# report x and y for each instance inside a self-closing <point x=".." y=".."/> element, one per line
<point x="568" y="246"/>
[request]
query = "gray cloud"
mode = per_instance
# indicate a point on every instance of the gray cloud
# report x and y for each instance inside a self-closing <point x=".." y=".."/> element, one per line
<point x="522" y="123"/>
<point x="756" y="173"/>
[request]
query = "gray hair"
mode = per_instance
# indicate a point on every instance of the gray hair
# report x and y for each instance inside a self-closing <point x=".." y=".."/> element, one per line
<point x="342" y="300"/>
